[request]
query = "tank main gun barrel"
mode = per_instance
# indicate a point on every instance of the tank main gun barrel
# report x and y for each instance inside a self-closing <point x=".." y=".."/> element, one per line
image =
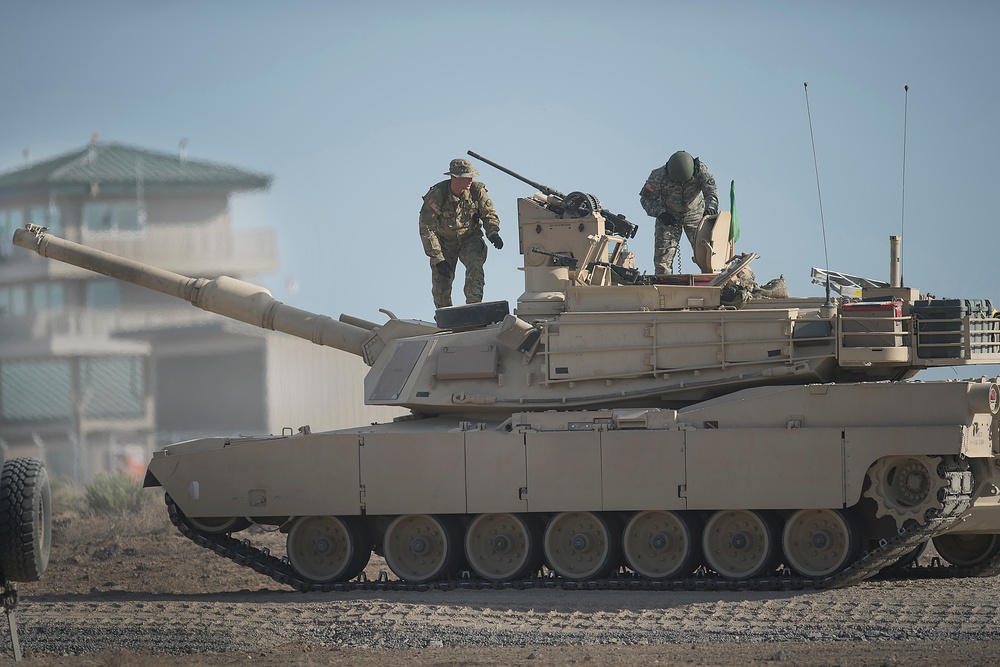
<point x="229" y="297"/>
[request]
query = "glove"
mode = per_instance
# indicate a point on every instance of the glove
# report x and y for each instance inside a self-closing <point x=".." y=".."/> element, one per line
<point x="443" y="268"/>
<point x="710" y="211"/>
<point x="496" y="240"/>
<point x="665" y="219"/>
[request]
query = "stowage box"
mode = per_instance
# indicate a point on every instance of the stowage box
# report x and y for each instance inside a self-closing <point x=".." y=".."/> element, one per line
<point x="939" y="324"/>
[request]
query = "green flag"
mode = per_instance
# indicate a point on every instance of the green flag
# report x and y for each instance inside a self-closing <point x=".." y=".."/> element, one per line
<point x="734" y="225"/>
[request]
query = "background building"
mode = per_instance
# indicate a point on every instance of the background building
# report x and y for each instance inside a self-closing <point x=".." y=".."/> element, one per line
<point x="96" y="373"/>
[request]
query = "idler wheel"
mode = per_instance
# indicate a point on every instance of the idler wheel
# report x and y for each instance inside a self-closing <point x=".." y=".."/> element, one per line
<point x="502" y="547"/>
<point x="819" y="542"/>
<point x="581" y="545"/>
<point x="967" y="550"/>
<point x="659" y="544"/>
<point x="421" y="547"/>
<point x="741" y="544"/>
<point x="218" y="525"/>
<point x="327" y="548"/>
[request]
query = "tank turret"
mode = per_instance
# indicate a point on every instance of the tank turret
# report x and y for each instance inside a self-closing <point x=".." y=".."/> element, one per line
<point x="610" y="420"/>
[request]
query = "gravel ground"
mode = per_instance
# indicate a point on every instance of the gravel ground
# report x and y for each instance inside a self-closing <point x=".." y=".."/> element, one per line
<point x="133" y="592"/>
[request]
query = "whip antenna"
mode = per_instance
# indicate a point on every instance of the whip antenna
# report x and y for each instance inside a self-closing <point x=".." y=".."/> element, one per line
<point x="819" y="193"/>
<point x="902" y="206"/>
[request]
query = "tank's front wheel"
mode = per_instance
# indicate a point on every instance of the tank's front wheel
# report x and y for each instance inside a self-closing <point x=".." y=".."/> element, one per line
<point x="501" y="547"/>
<point x="819" y="542"/>
<point x="741" y="544"/>
<point x="967" y="550"/>
<point x="660" y="544"/>
<point x="327" y="548"/>
<point x="421" y="547"/>
<point x="581" y="545"/>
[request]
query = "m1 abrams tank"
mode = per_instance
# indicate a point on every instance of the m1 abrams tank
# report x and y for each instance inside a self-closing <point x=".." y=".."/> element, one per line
<point x="615" y="430"/>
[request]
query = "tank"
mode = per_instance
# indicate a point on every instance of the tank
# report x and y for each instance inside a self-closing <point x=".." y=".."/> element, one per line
<point x="613" y="429"/>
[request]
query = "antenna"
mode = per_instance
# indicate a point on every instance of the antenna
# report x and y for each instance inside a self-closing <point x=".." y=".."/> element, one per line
<point x="902" y="205"/>
<point x="819" y="192"/>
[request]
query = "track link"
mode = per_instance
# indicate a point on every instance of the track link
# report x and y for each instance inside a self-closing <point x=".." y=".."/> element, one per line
<point x="957" y="498"/>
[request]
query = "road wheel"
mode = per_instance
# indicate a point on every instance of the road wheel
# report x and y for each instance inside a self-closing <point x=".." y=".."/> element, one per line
<point x="967" y="550"/>
<point x="582" y="545"/>
<point x="327" y="548"/>
<point x="422" y="547"/>
<point x="819" y="542"/>
<point x="741" y="544"/>
<point x="660" y="544"/>
<point x="502" y="547"/>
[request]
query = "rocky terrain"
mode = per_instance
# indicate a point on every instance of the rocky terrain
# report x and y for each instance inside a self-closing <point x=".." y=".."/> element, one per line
<point x="131" y="592"/>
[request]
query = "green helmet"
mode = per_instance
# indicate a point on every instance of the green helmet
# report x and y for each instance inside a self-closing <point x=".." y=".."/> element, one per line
<point x="680" y="167"/>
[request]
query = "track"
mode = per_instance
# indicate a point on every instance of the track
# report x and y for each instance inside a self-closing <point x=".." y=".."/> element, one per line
<point x="957" y="499"/>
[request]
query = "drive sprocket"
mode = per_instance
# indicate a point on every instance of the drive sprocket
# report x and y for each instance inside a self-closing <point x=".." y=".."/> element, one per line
<point x="907" y="487"/>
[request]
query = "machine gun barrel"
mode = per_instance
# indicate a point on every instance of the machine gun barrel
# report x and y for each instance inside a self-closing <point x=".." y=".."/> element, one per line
<point x="544" y="189"/>
<point x="617" y="223"/>
<point x="559" y="259"/>
<point x="225" y="296"/>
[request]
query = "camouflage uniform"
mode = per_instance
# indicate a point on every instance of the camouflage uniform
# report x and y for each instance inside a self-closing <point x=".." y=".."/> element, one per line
<point x="676" y="206"/>
<point x="451" y="229"/>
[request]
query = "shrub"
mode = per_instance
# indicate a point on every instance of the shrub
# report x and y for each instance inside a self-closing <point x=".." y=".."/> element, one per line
<point x="116" y="493"/>
<point x="66" y="495"/>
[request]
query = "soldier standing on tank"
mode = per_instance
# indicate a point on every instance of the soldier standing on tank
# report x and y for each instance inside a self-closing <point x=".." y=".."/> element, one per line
<point x="452" y="220"/>
<point x="679" y="195"/>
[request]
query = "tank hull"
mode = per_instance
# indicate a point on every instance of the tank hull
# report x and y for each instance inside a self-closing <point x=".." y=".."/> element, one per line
<point x="782" y="452"/>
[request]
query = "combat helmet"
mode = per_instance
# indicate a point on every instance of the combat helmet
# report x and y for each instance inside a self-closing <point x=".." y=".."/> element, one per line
<point x="680" y="167"/>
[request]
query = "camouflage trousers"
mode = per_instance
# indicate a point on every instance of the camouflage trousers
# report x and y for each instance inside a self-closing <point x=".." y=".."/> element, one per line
<point x="667" y="237"/>
<point x="472" y="254"/>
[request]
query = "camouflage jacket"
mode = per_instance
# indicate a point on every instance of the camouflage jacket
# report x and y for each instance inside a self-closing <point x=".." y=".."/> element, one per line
<point x="447" y="220"/>
<point x="661" y="195"/>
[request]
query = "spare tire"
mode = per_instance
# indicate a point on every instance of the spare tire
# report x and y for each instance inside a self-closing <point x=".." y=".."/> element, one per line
<point x="25" y="520"/>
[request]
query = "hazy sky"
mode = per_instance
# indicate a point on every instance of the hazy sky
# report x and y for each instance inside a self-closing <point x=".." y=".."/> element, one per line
<point x="356" y="108"/>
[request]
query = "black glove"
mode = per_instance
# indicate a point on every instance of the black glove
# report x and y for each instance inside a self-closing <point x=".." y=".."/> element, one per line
<point x="496" y="240"/>
<point x="665" y="219"/>
<point x="710" y="211"/>
<point x="444" y="268"/>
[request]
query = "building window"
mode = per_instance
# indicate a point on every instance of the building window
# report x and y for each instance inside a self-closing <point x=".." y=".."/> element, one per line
<point x="46" y="216"/>
<point x="48" y="296"/>
<point x="13" y="301"/>
<point x="33" y="391"/>
<point x="42" y="390"/>
<point x="115" y="387"/>
<point x="103" y="294"/>
<point x="14" y="218"/>
<point x="10" y="219"/>
<point x="111" y="216"/>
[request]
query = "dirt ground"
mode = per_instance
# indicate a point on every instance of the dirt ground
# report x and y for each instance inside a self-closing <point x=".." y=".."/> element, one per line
<point x="132" y="592"/>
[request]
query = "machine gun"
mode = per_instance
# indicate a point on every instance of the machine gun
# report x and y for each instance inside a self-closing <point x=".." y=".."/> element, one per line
<point x="623" y="275"/>
<point x="574" y="204"/>
<point x="559" y="259"/>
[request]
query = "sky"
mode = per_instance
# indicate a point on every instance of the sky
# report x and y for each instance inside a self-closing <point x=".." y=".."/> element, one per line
<point x="356" y="108"/>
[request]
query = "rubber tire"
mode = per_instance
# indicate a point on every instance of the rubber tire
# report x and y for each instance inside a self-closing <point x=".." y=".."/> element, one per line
<point x="25" y="520"/>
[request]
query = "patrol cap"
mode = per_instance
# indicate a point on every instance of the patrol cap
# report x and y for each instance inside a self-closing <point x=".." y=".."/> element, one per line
<point x="461" y="168"/>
